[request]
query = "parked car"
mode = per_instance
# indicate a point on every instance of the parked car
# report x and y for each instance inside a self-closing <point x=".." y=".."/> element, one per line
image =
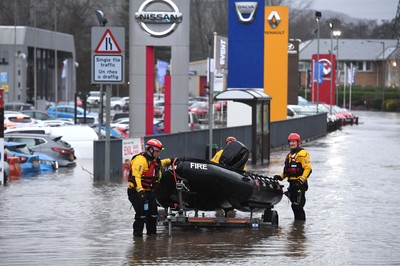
<point x="38" y="115"/>
<point x="200" y="108"/>
<point x="29" y="161"/>
<point x="114" y="132"/>
<point x="158" y="96"/>
<point x="294" y="111"/>
<point x="79" y="102"/>
<point x="86" y="120"/>
<point x="68" y="111"/>
<point x="121" y="123"/>
<point x="194" y="123"/>
<point x="125" y="107"/>
<point x="158" y="126"/>
<point x="58" y="122"/>
<point x="158" y="108"/>
<point x="6" y="172"/>
<point x="117" y="103"/>
<point x="47" y="163"/>
<point x="302" y="101"/>
<point x="120" y="115"/>
<point x="18" y="106"/>
<point x="93" y="98"/>
<point x="80" y="137"/>
<point x="17" y="119"/>
<point x="196" y="99"/>
<point x="14" y="166"/>
<point x="50" y="145"/>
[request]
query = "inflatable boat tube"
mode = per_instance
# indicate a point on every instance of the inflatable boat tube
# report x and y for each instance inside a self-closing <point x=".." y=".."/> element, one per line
<point x="208" y="186"/>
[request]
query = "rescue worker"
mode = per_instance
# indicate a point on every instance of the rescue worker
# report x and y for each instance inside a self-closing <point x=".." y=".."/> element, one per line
<point x="297" y="169"/>
<point x="144" y="177"/>
<point x="217" y="156"/>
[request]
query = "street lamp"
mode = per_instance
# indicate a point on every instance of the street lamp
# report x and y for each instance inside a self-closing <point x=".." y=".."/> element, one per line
<point x="331" y="84"/>
<point x="337" y="33"/>
<point x="383" y="69"/>
<point x="317" y="18"/>
<point x="210" y="96"/>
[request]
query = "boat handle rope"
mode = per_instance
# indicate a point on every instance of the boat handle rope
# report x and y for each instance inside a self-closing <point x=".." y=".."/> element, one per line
<point x="180" y="185"/>
<point x="173" y="170"/>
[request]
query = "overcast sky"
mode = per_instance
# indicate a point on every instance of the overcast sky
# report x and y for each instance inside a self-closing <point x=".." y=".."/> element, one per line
<point x="367" y="9"/>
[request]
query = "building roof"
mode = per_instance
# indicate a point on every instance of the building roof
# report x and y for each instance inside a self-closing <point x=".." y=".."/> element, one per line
<point x="22" y="35"/>
<point x="350" y="49"/>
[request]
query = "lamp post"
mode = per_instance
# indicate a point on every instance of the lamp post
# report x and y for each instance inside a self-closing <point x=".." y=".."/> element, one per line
<point x="210" y="95"/>
<point x="383" y="69"/>
<point x="337" y="33"/>
<point x="107" y="148"/>
<point x="317" y="18"/>
<point x="331" y="84"/>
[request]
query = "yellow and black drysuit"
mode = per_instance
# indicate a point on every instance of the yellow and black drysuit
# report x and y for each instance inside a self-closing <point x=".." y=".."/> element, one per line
<point x="297" y="169"/>
<point x="234" y="155"/>
<point x="143" y="180"/>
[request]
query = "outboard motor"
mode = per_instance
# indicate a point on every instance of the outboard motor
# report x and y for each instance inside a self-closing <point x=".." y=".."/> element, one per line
<point x="235" y="155"/>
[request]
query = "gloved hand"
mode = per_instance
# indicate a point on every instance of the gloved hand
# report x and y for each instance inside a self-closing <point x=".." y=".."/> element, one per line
<point x="141" y="194"/>
<point x="301" y="179"/>
<point x="277" y="178"/>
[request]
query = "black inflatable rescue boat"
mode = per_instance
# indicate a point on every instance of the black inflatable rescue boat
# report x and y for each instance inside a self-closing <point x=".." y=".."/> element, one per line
<point x="207" y="186"/>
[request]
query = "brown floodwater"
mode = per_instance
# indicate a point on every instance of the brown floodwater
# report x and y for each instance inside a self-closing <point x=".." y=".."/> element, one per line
<point x="352" y="214"/>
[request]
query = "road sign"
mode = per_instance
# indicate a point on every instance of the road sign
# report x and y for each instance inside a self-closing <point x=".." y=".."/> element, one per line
<point x="108" y="55"/>
<point x="108" y="44"/>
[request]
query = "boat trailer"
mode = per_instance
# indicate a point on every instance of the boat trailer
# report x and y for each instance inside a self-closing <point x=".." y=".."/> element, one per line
<point x="178" y="217"/>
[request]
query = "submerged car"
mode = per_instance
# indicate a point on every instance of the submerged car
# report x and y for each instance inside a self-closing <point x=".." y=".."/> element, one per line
<point x="50" y="145"/>
<point x="28" y="161"/>
<point x="47" y="163"/>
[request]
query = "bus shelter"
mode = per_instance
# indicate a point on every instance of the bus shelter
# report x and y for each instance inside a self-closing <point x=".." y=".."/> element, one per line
<point x="259" y="102"/>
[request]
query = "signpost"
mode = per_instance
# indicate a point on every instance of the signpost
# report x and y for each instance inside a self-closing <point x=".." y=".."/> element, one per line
<point x="2" y="176"/>
<point x="108" y="67"/>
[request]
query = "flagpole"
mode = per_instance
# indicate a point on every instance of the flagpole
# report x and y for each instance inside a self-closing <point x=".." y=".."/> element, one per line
<point x="312" y="81"/>
<point x="344" y="85"/>
<point x="351" y="83"/>
<point x="318" y="17"/>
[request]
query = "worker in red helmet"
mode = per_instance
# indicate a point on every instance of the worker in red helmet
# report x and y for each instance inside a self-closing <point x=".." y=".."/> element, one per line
<point x="143" y="179"/>
<point x="297" y="169"/>
<point x="218" y="154"/>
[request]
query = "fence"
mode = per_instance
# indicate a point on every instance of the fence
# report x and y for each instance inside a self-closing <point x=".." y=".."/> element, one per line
<point x="194" y="144"/>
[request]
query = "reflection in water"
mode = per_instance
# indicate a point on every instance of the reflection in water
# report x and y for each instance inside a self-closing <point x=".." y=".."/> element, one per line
<point x="203" y="245"/>
<point x="297" y="240"/>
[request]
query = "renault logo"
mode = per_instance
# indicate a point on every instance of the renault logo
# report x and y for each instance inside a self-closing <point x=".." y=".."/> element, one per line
<point x="159" y="18"/>
<point x="274" y="19"/>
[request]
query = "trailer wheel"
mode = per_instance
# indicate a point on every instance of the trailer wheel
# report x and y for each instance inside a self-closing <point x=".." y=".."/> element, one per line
<point x="274" y="218"/>
<point x="271" y="216"/>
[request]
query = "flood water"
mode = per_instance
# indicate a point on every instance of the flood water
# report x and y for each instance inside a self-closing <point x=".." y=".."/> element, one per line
<point x="353" y="214"/>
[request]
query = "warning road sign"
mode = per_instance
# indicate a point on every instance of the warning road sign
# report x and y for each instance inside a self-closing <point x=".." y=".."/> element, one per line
<point x="108" y="55"/>
<point x="108" y="44"/>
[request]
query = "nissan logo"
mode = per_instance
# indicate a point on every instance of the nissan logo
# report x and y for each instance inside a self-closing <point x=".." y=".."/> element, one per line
<point x="158" y="23"/>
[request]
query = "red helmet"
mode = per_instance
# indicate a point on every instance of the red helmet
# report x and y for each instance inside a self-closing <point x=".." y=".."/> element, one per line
<point x="154" y="143"/>
<point x="295" y="136"/>
<point x="229" y="139"/>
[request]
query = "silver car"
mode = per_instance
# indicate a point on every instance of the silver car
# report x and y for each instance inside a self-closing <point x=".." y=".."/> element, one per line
<point x="50" y="145"/>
